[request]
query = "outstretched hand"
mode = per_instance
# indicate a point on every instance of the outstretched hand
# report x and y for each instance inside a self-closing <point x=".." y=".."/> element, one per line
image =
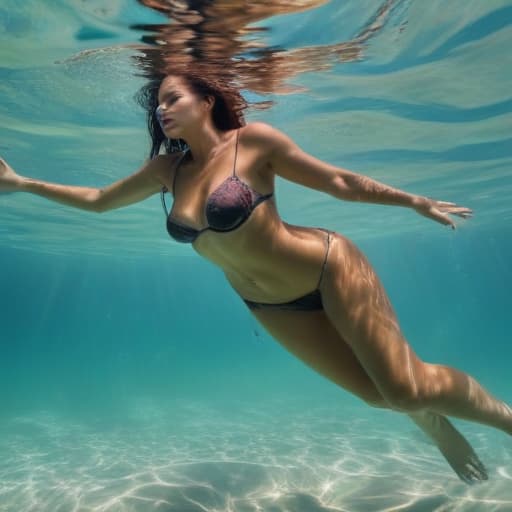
<point x="9" y="180"/>
<point x="440" y="211"/>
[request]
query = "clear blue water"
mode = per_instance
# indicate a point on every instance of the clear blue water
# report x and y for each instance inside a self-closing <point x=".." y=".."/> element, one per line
<point x="133" y="379"/>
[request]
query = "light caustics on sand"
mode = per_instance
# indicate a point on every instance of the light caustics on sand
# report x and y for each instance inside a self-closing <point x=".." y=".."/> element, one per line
<point x="195" y="458"/>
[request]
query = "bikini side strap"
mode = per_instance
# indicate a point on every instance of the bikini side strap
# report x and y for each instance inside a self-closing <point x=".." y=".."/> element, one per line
<point x="162" y="197"/>
<point x="236" y="151"/>
<point x="165" y="189"/>
<point x="325" y="257"/>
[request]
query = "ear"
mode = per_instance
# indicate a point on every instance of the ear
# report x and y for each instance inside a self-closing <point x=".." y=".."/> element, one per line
<point x="209" y="102"/>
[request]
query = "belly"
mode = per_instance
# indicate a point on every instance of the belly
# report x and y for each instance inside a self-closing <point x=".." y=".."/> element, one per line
<point x="266" y="259"/>
<point x="280" y="267"/>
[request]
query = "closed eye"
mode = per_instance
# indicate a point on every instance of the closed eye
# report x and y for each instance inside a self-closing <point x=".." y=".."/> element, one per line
<point x="170" y="99"/>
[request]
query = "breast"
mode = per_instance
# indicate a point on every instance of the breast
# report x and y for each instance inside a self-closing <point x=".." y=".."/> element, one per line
<point x="180" y="232"/>
<point x="229" y="206"/>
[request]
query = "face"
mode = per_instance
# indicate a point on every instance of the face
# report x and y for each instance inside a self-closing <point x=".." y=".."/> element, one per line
<point x="179" y="108"/>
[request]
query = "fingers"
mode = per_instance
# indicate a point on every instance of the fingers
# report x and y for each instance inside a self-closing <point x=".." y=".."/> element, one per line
<point x="440" y="211"/>
<point x="445" y="203"/>
<point x="464" y="214"/>
<point x="459" y="211"/>
<point x="442" y="219"/>
<point x="453" y="208"/>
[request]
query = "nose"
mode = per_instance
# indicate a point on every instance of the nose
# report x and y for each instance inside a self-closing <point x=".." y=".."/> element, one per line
<point x="159" y="112"/>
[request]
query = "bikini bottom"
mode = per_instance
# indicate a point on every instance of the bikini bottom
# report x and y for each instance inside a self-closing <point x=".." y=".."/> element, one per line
<point x="310" y="302"/>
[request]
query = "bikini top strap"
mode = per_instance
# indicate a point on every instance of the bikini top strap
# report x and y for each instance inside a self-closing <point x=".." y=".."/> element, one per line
<point x="236" y="151"/>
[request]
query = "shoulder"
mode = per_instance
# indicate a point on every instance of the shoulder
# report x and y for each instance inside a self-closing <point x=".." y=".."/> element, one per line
<point x="163" y="164"/>
<point x="165" y="160"/>
<point x="259" y="132"/>
<point x="268" y="139"/>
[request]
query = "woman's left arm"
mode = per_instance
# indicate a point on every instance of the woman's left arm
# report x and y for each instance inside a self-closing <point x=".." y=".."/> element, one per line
<point x="290" y="162"/>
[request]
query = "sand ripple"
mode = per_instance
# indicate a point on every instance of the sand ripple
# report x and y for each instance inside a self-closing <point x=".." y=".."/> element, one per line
<point x="197" y="458"/>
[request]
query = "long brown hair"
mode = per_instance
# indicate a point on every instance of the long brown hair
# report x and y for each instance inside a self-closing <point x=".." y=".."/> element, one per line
<point x="212" y="45"/>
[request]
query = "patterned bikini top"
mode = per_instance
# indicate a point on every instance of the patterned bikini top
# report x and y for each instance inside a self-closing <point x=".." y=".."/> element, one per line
<point x="226" y="209"/>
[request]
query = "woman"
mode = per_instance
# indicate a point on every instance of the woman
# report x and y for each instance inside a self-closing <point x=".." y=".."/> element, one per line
<point x="311" y="289"/>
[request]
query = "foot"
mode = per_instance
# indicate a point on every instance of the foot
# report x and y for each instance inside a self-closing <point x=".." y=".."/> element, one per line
<point x="453" y="445"/>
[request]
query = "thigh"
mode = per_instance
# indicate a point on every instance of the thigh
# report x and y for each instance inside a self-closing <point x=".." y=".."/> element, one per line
<point x="311" y="337"/>
<point x="357" y="305"/>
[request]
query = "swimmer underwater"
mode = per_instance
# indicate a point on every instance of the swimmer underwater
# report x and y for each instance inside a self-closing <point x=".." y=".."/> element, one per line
<point x="310" y="288"/>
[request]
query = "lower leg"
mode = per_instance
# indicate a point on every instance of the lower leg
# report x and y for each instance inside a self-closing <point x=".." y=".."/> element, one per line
<point x="452" y="444"/>
<point x="451" y="392"/>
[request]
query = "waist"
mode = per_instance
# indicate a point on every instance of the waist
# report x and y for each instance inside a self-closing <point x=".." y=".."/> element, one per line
<point x="284" y="272"/>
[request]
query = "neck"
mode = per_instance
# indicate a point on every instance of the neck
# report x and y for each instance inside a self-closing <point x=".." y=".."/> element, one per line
<point x="204" y="143"/>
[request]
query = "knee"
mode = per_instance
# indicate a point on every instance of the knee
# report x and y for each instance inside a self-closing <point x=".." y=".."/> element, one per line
<point x="414" y="392"/>
<point x="405" y="398"/>
<point x="374" y="400"/>
<point x="376" y="403"/>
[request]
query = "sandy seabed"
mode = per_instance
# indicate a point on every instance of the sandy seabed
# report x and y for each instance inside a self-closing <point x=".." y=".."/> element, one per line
<point x="197" y="457"/>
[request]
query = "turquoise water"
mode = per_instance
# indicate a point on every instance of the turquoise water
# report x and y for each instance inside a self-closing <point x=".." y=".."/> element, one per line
<point x="131" y="376"/>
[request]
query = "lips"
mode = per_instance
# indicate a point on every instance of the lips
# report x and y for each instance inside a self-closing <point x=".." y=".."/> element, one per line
<point x="163" y="121"/>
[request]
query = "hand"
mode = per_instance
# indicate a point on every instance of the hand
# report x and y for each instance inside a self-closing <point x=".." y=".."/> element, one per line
<point x="440" y="211"/>
<point x="9" y="180"/>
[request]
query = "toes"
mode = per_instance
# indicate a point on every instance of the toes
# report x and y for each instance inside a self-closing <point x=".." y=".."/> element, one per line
<point x="474" y="472"/>
<point x="478" y="464"/>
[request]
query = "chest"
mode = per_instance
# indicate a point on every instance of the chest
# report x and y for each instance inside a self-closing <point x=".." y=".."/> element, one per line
<point x="218" y="189"/>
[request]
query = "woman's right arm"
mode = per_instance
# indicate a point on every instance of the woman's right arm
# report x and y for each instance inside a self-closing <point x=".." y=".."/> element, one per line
<point x="137" y="187"/>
